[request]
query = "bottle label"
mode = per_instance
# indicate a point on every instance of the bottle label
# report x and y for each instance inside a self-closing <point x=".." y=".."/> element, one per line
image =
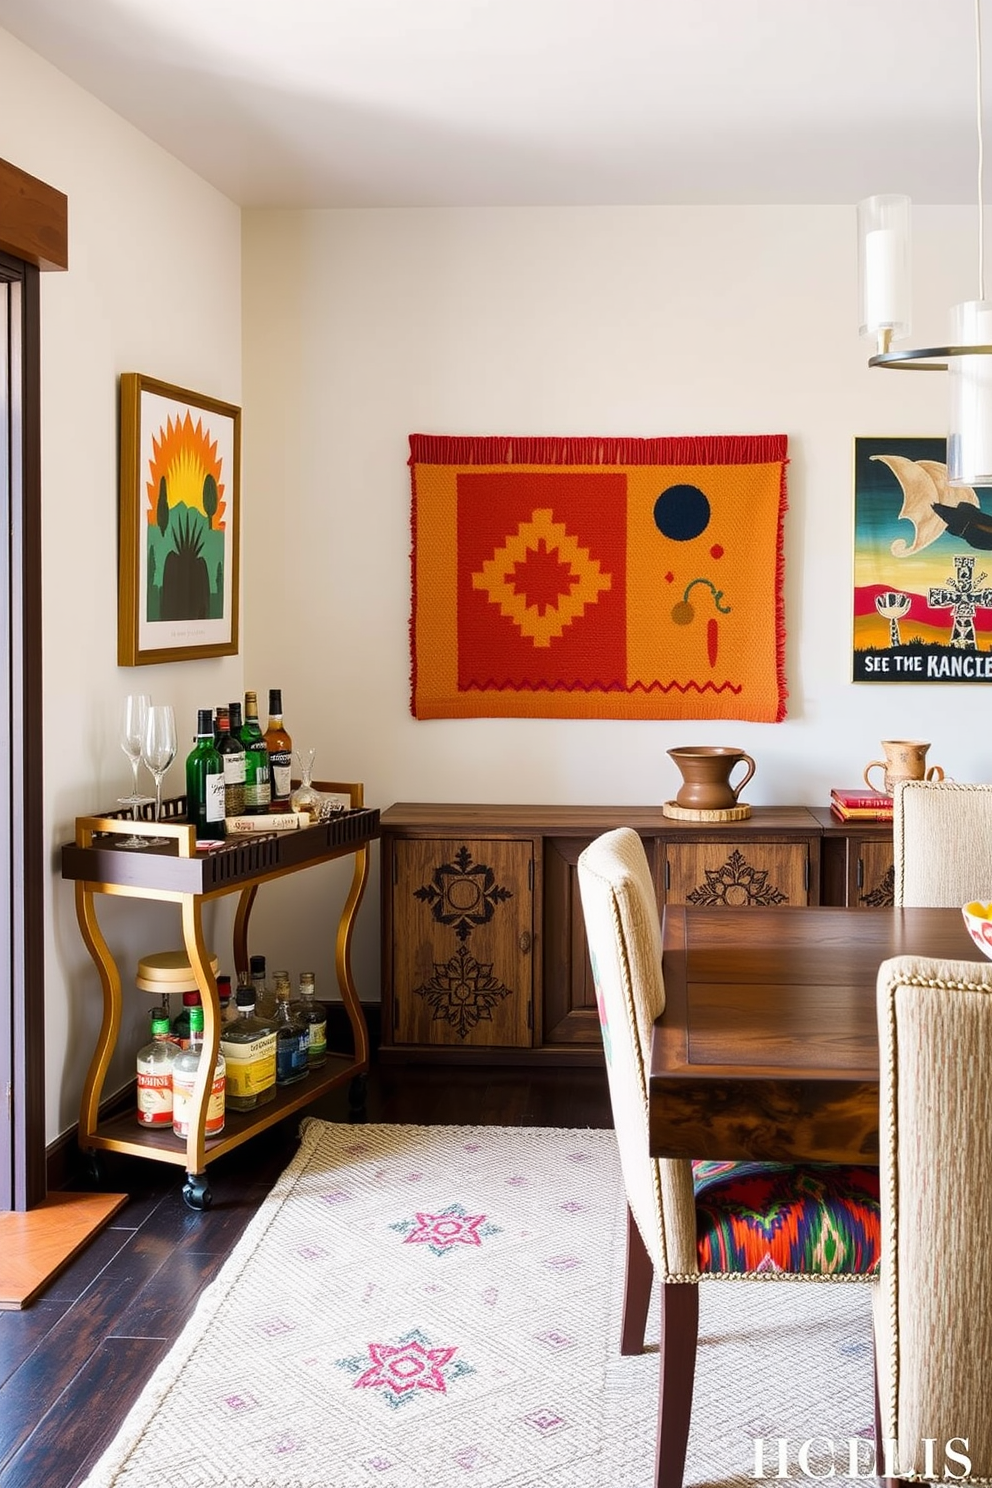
<point x="292" y="1058"/>
<point x="281" y="772"/>
<point x="257" y="791"/>
<point x="214" y="798"/>
<point x="251" y="1067"/>
<point x="154" y="1098"/>
<point x="182" y="1099"/>
<point x="318" y="1040"/>
<point x="234" y="769"/>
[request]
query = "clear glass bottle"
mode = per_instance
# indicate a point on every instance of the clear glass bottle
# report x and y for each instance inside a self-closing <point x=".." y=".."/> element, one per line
<point x="257" y="790"/>
<point x="155" y="1061"/>
<point x="315" y="1015"/>
<point x="184" y="1068"/>
<point x="228" y="1007"/>
<point x="249" y="1047"/>
<point x="205" y="782"/>
<point x="280" y="747"/>
<point x="292" y="1036"/>
<point x="265" y="1003"/>
<point x="232" y="752"/>
<point x="180" y="1023"/>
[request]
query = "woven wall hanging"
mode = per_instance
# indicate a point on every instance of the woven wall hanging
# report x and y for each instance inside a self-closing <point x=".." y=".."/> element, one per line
<point x="598" y="578"/>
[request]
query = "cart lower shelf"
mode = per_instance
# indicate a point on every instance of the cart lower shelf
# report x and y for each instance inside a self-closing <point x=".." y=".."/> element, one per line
<point x="121" y="1133"/>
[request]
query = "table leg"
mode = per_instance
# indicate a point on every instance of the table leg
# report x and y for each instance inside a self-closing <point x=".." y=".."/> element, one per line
<point x="110" y="1027"/>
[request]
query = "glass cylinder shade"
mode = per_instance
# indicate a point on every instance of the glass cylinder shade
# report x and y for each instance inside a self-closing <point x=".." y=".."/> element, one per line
<point x="884" y="267"/>
<point x="969" y="425"/>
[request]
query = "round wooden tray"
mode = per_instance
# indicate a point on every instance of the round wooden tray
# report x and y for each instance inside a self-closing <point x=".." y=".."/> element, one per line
<point x="740" y="812"/>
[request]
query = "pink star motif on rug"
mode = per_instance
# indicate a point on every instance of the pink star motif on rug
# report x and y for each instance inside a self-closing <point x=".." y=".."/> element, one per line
<point x="403" y="1367"/>
<point x="446" y="1229"/>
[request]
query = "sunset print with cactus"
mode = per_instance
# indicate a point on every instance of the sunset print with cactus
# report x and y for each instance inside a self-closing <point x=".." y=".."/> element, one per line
<point x="186" y="537"/>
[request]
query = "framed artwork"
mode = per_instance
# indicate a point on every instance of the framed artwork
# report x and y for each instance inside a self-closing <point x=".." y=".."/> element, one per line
<point x="922" y="567"/>
<point x="180" y="478"/>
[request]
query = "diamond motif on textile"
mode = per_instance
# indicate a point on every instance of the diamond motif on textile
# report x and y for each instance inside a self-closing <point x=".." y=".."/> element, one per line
<point x="463" y="992"/>
<point x="547" y="1422"/>
<point x="406" y="1369"/>
<point x="463" y="894"/>
<point x="442" y="1233"/>
<point x="542" y="578"/>
<point x="554" y="1340"/>
<point x="736" y="883"/>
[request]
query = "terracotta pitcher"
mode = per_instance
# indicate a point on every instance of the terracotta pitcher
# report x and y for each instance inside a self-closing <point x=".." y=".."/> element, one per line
<point x="706" y="771"/>
<point x="905" y="759"/>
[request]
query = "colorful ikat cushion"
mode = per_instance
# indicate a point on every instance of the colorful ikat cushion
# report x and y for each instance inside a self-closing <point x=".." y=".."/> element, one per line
<point x="818" y="1218"/>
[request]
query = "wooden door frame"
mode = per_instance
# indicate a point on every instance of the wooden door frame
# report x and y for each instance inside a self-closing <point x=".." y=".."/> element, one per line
<point x="33" y="237"/>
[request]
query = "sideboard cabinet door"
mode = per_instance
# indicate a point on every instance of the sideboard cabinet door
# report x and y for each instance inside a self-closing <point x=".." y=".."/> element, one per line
<point x="462" y="942"/>
<point x="740" y="871"/>
<point x="873" y="873"/>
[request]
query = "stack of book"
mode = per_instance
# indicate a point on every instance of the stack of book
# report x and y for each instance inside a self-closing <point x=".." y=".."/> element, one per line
<point x="861" y="804"/>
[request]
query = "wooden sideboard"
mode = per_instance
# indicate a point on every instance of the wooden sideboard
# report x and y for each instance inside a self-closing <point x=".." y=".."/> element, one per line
<point x="484" y="957"/>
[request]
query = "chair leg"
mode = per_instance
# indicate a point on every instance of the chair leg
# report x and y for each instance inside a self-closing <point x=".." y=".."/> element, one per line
<point x="679" y="1335"/>
<point x="637" y="1280"/>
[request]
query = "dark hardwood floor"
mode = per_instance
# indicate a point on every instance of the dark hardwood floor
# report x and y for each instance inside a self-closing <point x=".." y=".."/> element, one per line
<point x="73" y="1362"/>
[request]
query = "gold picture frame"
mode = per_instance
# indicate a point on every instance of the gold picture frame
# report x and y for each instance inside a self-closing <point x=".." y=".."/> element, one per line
<point x="180" y="512"/>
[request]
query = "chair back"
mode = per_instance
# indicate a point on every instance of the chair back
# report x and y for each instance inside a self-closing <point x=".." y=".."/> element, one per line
<point x="942" y="839"/>
<point x="933" y="1305"/>
<point x="623" y="931"/>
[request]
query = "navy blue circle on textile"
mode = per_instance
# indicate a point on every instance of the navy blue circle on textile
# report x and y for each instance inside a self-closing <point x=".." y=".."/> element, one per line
<point x="681" y="513"/>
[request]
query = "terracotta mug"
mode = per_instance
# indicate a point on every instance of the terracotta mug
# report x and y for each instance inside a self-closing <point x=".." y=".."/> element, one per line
<point x="905" y="759"/>
<point x="706" y="773"/>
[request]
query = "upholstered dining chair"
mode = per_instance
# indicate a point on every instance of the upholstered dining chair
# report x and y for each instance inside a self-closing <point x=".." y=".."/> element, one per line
<point x="689" y="1222"/>
<point x="942" y="841"/>
<point x="933" y="1304"/>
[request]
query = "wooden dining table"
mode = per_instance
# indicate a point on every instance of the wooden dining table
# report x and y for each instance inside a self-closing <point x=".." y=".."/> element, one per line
<point x="768" y="1045"/>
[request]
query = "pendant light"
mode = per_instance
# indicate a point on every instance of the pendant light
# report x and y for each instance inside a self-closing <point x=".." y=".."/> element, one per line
<point x="884" y="288"/>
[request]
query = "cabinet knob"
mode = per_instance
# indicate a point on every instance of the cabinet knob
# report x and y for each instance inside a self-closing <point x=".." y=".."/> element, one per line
<point x="525" y="941"/>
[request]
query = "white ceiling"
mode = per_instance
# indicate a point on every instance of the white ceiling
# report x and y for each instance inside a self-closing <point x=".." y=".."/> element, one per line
<point x="521" y="102"/>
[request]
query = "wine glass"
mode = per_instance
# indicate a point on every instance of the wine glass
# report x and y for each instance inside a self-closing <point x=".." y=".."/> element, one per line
<point x="158" y="750"/>
<point x="134" y="715"/>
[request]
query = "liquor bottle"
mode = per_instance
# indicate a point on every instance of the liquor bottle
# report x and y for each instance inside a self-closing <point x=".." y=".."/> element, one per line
<point x="205" y="782"/>
<point x="315" y="1015"/>
<point x="249" y="1048"/>
<point x="228" y="1008"/>
<point x="280" y="747"/>
<point x="155" y="1061"/>
<point x="265" y="1003"/>
<point x="184" y="1068"/>
<point x="232" y="752"/>
<point x="180" y="1023"/>
<point x="292" y="1037"/>
<point x="257" y="789"/>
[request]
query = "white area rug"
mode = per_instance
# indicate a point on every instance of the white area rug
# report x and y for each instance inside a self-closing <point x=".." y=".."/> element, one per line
<point x="419" y="1307"/>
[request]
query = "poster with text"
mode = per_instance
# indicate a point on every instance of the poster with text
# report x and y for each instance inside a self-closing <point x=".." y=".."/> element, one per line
<point x="922" y="567"/>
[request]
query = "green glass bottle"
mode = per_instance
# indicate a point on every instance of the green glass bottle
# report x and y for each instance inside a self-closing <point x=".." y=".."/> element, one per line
<point x="257" y="790"/>
<point x="205" y="782"/>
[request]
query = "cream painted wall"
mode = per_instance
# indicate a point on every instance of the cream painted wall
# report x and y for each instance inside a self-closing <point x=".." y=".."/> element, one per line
<point x="362" y="326"/>
<point x="153" y="286"/>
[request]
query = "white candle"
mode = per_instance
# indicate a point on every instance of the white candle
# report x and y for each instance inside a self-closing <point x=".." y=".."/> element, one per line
<point x="885" y="280"/>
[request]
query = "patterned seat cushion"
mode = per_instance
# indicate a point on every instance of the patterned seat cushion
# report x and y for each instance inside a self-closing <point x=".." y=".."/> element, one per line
<point x="818" y="1218"/>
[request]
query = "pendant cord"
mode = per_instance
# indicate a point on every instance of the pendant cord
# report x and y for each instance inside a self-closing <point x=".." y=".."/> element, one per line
<point x="981" y="151"/>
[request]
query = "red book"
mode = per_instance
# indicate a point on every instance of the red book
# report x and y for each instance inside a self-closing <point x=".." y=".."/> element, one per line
<point x="861" y="798"/>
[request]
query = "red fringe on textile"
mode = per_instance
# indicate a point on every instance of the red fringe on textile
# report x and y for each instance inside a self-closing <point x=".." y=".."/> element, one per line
<point x="506" y="449"/>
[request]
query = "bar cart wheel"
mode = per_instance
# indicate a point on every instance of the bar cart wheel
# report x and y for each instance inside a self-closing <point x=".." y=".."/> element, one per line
<point x="196" y="1191"/>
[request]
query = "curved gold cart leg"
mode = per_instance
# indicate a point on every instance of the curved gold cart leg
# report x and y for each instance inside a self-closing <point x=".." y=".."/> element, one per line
<point x="110" y="1027"/>
<point x="245" y="901"/>
<point x="195" y="1190"/>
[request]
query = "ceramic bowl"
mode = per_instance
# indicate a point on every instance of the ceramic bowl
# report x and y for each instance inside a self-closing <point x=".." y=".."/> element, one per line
<point x="978" y="918"/>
